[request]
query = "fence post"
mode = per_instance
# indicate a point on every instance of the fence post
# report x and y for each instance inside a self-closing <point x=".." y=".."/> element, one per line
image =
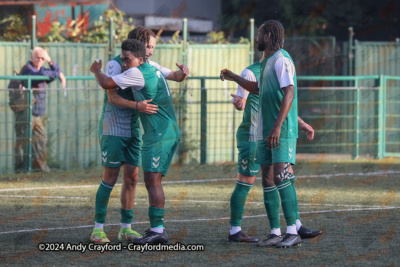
<point x="30" y="124"/>
<point x="203" y="126"/>
<point x="351" y="51"/>
<point x="357" y="122"/>
<point x="384" y="110"/>
<point x="380" y="117"/>
<point x="251" y="52"/>
<point x="182" y="105"/>
<point x="33" y="36"/>
<point x="111" y="42"/>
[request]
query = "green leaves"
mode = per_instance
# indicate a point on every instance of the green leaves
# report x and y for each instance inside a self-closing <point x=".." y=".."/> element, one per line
<point x="16" y="30"/>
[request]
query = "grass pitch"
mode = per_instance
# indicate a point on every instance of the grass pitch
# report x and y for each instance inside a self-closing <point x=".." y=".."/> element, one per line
<point x="356" y="204"/>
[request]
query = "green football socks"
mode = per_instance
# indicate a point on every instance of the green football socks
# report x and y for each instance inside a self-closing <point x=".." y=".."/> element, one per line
<point x="288" y="201"/>
<point x="238" y="200"/>
<point x="156" y="216"/>
<point x="126" y="216"/>
<point x="296" y="206"/>
<point x="102" y="198"/>
<point x="271" y="202"/>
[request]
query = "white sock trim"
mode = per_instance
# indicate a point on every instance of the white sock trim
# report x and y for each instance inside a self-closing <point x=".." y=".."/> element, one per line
<point x="291" y="229"/>
<point x="159" y="230"/>
<point x="125" y="225"/>
<point x="235" y="229"/>
<point x="98" y="225"/>
<point x="298" y="224"/>
<point x="276" y="231"/>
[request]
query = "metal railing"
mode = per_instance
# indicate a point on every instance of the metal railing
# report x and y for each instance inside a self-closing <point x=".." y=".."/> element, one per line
<point x="338" y="111"/>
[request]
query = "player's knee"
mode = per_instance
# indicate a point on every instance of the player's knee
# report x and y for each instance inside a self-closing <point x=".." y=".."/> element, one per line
<point x="131" y="181"/>
<point x="268" y="182"/>
<point x="277" y="179"/>
<point x="110" y="180"/>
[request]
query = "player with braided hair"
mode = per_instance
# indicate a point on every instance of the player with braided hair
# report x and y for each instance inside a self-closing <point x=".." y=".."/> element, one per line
<point x="277" y="132"/>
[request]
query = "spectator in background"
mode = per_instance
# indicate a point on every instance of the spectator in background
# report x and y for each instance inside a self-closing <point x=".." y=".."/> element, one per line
<point x="39" y="138"/>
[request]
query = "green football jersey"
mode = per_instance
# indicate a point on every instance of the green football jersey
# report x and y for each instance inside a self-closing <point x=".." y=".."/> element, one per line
<point x="162" y="125"/>
<point x="270" y="98"/>
<point x="118" y="121"/>
<point x="248" y="127"/>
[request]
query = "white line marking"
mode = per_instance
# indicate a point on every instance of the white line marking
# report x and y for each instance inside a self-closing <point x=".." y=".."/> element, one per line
<point x="205" y="180"/>
<point x="197" y="201"/>
<point x="193" y="220"/>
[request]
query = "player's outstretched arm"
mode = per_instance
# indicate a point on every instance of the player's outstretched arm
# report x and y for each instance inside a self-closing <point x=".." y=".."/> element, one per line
<point x="250" y="86"/>
<point x="143" y="106"/>
<point x="273" y="137"/>
<point x="102" y="79"/>
<point x="306" y="128"/>
<point x="179" y="75"/>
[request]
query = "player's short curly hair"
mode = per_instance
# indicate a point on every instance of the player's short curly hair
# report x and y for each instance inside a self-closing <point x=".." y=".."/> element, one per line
<point x="142" y="34"/>
<point x="136" y="47"/>
<point x="277" y="33"/>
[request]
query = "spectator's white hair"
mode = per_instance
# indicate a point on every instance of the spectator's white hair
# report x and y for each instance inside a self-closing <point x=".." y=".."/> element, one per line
<point x="37" y="50"/>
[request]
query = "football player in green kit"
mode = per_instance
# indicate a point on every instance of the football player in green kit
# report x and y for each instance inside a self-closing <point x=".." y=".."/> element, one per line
<point x="120" y="140"/>
<point x="277" y="132"/>
<point x="162" y="134"/>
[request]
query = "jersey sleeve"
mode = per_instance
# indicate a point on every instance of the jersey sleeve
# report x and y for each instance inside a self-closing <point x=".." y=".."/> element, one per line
<point x="284" y="69"/>
<point x="248" y="75"/>
<point x="113" y="68"/>
<point x="130" y="78"/>
<point x="164" y="71"/>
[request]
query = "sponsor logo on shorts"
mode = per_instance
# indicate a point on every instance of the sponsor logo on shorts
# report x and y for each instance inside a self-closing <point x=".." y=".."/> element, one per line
<point x="115" y="162"/>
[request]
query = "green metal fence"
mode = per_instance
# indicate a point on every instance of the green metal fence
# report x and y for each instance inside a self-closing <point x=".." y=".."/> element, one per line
<point x="336" y="107"/>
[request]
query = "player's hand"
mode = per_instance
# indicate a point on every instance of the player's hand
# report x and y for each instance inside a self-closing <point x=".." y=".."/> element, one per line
<point x="307" y="129"/>
<point x="273" y="138"/>
<point x="183" y="68"/>
<point x="226" y="75"/>
<point x="96" y="66"/>
<point x="63" y="80"/>
<point x="145" y="107"/>
<point x="237" y="102"/>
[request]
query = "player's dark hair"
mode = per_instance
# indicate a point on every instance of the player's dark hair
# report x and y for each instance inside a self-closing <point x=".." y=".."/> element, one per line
<point x="277" y="33"/>
<point x="142" y="34"/>
<point x="136" y="47"/>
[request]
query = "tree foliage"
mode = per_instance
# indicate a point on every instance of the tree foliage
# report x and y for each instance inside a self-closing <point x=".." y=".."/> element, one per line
<point x="16" y="30"/>
<point x="371" y="20"/>
<point x="74" y="31"/>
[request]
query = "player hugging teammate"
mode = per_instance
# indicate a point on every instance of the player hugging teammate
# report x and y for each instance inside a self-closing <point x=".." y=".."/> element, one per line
<point x="120" y="136"/>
